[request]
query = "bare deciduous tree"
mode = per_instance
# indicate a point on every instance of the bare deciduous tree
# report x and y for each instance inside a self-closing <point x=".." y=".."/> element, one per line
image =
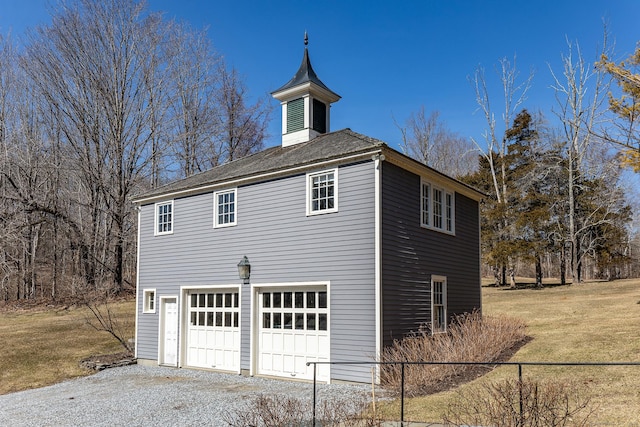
<point x="241" y="127"/>
<point x="427" y="139"/>
<point x="580" y="94"/>
<point x="193" y="68"/>
<point x="93" y="64"/>
<point x="494" y="151"/>
<point x="101" y="97"/>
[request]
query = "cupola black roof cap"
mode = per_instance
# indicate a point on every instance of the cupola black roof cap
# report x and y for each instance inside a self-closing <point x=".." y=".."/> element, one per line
<point x="304" y="75"/>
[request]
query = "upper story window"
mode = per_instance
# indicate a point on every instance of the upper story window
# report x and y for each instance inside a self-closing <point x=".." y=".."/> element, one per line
<point x="322" y="192"/>
<point x="164" y="218"/>
<point x="225" y="213"/>
<point x="437" y="208"/>
<point x="426" y="204"/>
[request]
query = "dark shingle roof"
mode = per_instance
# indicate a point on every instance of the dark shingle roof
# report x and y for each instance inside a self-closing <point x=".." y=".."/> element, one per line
<point x="334" y="145"/>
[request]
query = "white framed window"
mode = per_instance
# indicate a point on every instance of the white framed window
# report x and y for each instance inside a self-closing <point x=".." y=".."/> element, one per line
<point x="322" y="192"/>
<point x="426" y="204"/>
<point x="149" y="301"/>
<point x="225" y="212"/>
<point x="163" y="223"/>
<point x="437" y="208"/>
<point x="438" y="304"/>
<point x="448" y="212"/>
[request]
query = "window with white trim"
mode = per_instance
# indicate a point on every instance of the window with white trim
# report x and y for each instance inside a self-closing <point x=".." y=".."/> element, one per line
<point x="426" y="204"/>
<point x="322" y="192"/>
<point x="438" y="304"/>
<point x="448" y="212"/>
<point x="437" y="208"/>
<point x="224" y="211"/>
<point x="163" y="218"/>
<point x="149" y="301"/>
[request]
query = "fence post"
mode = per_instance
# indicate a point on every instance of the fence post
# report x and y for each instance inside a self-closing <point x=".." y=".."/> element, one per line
<point x="521" y="421"/>
<point x="314" y="393"/>
<point x="402" y="395"/>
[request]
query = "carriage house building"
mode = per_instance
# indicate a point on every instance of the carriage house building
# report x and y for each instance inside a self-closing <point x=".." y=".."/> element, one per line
<point x="350" y="245"/>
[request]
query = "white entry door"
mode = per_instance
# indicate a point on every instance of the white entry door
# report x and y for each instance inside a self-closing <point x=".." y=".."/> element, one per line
<point x="169" y="332"/>
<point x="293" y="330"/>
<point x="213" y="331"/>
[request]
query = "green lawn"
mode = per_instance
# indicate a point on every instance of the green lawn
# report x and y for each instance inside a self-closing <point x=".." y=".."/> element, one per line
<point x="42" y="347"/>
<point x="590" y="322"/>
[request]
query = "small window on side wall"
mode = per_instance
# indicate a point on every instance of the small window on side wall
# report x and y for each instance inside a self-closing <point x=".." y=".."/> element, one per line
<point x="163" y="218"/>
<point x="149" y="303"/>
<point x="438" y="304"/>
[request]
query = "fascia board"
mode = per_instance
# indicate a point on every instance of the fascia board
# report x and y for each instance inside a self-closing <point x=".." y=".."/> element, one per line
<point x="256" y="177"/>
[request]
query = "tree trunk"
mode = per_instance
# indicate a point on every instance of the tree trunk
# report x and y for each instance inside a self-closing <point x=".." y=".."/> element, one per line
<point x="538" y="271"/>
<point x="563" y="267"/>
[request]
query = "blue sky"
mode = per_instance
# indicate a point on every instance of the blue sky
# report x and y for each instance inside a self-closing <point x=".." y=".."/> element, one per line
<point x="388" y="58"/>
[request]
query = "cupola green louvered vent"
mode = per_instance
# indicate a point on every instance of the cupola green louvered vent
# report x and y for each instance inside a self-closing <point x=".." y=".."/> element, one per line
<point x="295" y="115"/>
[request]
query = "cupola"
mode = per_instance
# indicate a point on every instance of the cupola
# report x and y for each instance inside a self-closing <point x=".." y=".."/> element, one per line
<point x="306" y="103"/>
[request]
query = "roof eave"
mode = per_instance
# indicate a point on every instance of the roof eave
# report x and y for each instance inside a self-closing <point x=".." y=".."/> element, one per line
<point x="287" y="94"/>
<point x="421" y="169"/>
<point x="258" y="177"/>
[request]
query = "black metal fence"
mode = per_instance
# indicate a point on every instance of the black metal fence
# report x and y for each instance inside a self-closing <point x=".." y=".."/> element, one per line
<point x="403" y="364"/>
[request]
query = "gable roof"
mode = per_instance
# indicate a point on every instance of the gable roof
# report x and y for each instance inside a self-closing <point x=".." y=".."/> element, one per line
<point x="277" y="161"/>
<point x="324" y="148"/>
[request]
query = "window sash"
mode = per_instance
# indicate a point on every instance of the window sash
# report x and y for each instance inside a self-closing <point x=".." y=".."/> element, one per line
<point x="449" y="211"/>
<point x="437" y="208"/>
<point x="438" y="304"/>
<point x="322" y="192"/>
<point x="164" y="218"/>
<point x="225" y="210"/>
<point x="149" y="301"/>
<point x="426" y="204"/>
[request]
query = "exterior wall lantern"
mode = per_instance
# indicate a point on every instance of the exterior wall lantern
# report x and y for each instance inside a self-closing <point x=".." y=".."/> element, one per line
<point x="244" y="269"/>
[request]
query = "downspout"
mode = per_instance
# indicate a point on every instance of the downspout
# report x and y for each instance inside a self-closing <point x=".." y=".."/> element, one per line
<point x="378" y="159"/>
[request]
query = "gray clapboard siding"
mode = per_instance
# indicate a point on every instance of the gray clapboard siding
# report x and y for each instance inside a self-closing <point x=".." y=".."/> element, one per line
<point x="411" y="253"/>
<point x="284" y="246"/>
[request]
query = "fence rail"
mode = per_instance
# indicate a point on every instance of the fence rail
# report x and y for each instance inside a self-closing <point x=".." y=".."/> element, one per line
<point x="403" y="364"/>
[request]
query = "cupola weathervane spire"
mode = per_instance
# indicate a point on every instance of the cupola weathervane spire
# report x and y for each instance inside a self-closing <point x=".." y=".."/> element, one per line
<point x="306" y="38"/>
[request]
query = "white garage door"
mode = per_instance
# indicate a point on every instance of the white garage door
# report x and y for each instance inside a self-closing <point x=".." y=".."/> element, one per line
<point x="213" y="336"/>
<point x="293" y="330"/>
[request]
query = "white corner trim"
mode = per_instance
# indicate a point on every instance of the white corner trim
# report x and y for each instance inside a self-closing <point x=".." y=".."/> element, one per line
<point x="378" y="259"/>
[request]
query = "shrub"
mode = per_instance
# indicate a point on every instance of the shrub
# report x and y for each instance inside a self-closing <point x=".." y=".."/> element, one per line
<point x="285" y="411"/>
<point x="470" y="338"/>
<point x="548" y="404"/>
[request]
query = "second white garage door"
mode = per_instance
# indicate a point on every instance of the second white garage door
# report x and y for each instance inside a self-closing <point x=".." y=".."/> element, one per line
<point x="293" y="330"/>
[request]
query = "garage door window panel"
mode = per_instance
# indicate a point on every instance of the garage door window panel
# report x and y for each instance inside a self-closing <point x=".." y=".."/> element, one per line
<point x="287" y="310"/>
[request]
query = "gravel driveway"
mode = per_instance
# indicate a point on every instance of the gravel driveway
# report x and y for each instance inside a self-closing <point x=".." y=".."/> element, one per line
<point x="147" y="395"/>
